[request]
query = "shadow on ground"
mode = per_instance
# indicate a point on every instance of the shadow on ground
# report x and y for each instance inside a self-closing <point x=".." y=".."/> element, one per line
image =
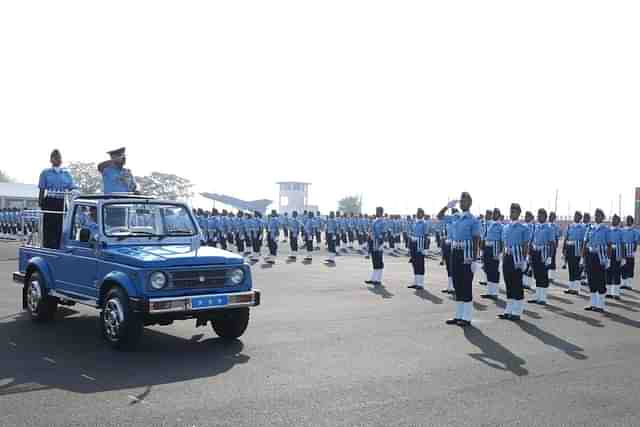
<point x="75" y="345"/>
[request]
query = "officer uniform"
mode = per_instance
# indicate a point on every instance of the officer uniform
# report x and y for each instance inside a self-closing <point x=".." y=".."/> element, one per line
<point x="55" y="182"/>
<point x="273" y="232"/>
<point x="446" y="253"/>
<point x="465" y="228"/>
<point x="308" y="236"/>
<point x="614" y="238"/>
<point x="596" y="248"/>
<point x="330" y="236"/>
<point x="118" y="179"/>
<point x="418" y="248"/>
<point x="557" y="233"/>
<point x="294" y="231"/>
<point x="573" y="252"/>
<point x="491" y="257"/>
<point x="516" y="243"/>
<point x="378" y="232"/>
<point x="541" y="251"/>
<point x="630" y="238"/>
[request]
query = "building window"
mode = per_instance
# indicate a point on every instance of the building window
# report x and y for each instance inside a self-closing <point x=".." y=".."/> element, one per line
<point x="284" y="201"/>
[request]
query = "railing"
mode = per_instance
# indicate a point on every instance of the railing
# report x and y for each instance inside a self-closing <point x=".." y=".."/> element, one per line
<point x="32" y="219"/>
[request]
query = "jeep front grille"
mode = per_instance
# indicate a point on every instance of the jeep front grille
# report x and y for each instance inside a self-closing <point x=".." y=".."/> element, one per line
<point x="199" y="279"/>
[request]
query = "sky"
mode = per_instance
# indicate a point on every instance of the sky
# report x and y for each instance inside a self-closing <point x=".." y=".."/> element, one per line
<point x="405" y="102"/>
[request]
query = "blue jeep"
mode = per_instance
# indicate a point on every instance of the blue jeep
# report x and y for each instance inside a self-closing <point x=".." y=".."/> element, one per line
<point x="139" y="261"/>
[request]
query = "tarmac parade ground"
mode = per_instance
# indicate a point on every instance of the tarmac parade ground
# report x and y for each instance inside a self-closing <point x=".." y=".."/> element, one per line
<point x="325" y="349"/>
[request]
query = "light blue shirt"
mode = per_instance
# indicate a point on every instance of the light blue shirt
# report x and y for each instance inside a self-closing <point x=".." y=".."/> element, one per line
<point x="494" y="231"/>
<point x="118" y="180"/>
<point x="543" y="234"/>
<point x="464" y="226"/>
<point x="516" y="234"/>
<point x="53" y="180"/>
<point x="598" y="235"/>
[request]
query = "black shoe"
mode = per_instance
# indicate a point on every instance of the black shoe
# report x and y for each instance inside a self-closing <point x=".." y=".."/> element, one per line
<point x="483" y="283"/>
<point x="608" y="296"/>
<point x="599" y="310"/>
<point x="542" y="303"/>
<point x="504" y="316"/>
<point x="514" y="318"/>
<point x="452" y="321"/>
<point x="448" y="291"/>
<point x="617" y="298"/>
<point x="414" y="287"/>
<point x="526" y="287"/>
<point x="568" y="292"/>
<point x="533" y="301"/>
<point x="626" y="287"/>
<point x="488" y="296"/>
<point x="441" y="262"/>
<point x="464" y="323"/>
<point x="369" y="282"/>
<point x="377" y="283"/>
<point x="590" y="308"/>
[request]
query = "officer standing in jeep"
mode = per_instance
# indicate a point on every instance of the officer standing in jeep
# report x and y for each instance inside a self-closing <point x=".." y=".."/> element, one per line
<point x="115" y="177"/>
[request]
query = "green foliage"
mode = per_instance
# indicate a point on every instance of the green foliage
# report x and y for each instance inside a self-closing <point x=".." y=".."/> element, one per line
<point x="350" y="204"/>
<point x="165" y="186"/>
<point x="4" y="177"/>
<point x="86" y="176"/>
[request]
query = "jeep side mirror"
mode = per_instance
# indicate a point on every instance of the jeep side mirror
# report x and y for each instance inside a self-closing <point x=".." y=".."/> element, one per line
<point x="85" y="235"/>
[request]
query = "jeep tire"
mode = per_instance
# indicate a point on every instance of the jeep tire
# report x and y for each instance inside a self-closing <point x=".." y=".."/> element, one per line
<point x="40" y="305"/>
<point x="120" y="326"/>
<point x="231" y="323"/>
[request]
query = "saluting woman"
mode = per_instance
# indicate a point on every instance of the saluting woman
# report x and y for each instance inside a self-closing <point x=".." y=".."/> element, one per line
<point x="53" y="184"/>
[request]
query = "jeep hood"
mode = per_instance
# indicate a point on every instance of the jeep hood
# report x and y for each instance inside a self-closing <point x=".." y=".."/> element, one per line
<point x="170" y="256"/>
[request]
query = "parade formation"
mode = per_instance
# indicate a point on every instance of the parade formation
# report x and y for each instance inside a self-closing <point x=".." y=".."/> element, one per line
<point x="520" y="250"/>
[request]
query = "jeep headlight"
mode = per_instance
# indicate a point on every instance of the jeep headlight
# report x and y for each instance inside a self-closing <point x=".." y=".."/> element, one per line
<point x="158" y="280"/>
<point x="236" y="276"/>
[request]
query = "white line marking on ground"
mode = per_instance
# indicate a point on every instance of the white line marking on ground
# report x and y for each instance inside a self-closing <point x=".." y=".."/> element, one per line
<point x="87" y="377"/>
<point x="50" y="360"/>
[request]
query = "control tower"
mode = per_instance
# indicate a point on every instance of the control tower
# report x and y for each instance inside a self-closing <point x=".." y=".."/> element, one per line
<point x="294" y="196"/>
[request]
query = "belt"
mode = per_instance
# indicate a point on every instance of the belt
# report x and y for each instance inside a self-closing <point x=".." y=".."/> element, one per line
<point x="460" y="244"/>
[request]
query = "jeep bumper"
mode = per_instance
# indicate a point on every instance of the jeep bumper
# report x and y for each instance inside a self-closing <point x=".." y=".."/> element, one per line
<point x="203" y="303"/>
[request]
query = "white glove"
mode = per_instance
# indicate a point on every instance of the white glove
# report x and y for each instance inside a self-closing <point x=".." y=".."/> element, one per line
<point x="581" y="263"/>
<point x="607" y="264"/>
<point x="476" y="267"/>
<point x="547" y="262"/>
<point x="452" y="204"/>
<point x="522" y="266"/>
<point x="623" y="262"/>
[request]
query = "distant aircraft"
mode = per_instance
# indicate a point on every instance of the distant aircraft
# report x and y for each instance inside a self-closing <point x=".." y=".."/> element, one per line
<point x="253" y="206"/>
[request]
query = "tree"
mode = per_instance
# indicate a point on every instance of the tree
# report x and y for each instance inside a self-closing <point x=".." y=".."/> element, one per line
<point x="4" y="177"/>
<point x="165" y="186"/>
<point x="86" y="176"/>
<point x="350" y="204"/>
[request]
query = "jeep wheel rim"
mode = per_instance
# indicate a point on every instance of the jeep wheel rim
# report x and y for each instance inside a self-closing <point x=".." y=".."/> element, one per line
<point x="34" y="295"/>
<point x="113" y="318"/>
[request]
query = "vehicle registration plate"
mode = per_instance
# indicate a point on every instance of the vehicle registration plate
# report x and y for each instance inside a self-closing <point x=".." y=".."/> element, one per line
<point x="206" y="302"/>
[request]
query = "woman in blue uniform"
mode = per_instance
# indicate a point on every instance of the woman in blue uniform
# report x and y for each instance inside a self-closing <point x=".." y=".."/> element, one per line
<point x="465" y="246"/>
<point x="630" y="239"/>
<point x="516" y="239"/>
<point x="542" y="249"/>
<point x="54" y="183"/>
<point x="614" y="239"/>
<point x="573" y="252"/>
<point x="378" y="231"/>
<point x="596" y="252"/>
<point x="419" y="234"/>
<point x="491" y="254"/>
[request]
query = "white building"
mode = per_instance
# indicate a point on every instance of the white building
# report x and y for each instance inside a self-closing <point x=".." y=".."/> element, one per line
<point x="13" y="195"/>
<point x="294" y="196"/>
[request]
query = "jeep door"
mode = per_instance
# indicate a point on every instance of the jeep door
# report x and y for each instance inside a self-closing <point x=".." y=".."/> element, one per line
<point x="78" y="264"/>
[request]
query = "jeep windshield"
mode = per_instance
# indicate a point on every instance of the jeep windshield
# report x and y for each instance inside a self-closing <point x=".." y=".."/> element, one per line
<point x="124" y="220"/>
